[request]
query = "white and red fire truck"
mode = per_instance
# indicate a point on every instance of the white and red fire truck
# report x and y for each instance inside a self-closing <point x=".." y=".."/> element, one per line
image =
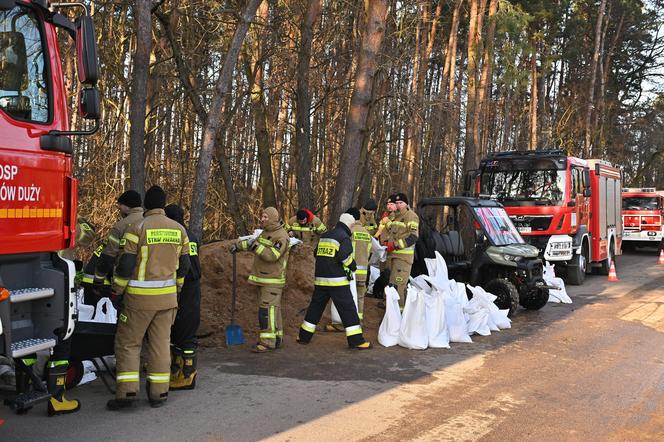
<point x="569" y="208"/>
<point x="642" y="210"/>
<point x="37" y="188"/>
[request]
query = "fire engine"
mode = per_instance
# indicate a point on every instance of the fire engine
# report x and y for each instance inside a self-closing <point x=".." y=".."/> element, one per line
<point x="38" y="192"/>
<point x="642" y="217"/>
<point x="569" y="208"/>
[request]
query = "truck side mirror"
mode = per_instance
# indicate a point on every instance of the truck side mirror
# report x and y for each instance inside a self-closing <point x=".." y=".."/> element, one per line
<point x="13" y="63"/>
<point x="586" y="178"/>
<point x="86" y="50"/>
<point x="587" y="192"/>
<point x="88" y="105"/>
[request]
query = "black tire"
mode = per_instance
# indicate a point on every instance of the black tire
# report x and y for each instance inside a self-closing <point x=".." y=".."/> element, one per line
<point x="605" y="266"/>
<point x="535" y="299"/>
<point x="577" y="268"/>
<point x="507" y="295"/>
<point x="628" y="246"/>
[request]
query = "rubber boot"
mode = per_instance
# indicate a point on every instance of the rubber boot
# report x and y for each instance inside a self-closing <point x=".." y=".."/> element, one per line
<point x="176" y="363"/>
<point x="23" y="380"/>
<point x="58" y="404"/>
<point x="186" y="379"/>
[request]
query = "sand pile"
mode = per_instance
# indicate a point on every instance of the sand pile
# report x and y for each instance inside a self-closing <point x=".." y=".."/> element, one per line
<point x="216" y="294"/>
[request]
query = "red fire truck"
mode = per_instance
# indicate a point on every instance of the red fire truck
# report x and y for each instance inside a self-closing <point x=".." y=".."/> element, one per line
<point x="567" y="207"/>
<point x="642" y="210"/>
<point x="37" y="188"/>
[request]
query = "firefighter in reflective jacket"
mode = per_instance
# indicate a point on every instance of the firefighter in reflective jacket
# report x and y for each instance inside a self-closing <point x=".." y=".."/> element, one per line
<point x="334" y="267"/>
<point x="402" y="233"/>
<point x="306" y="227"/>
<point x="150" y="274"/>
<point x="368" y="216"/>
<point x="129" y="204"/>
<point x="269" y="274"/>
<point x="361" y="250"/>
<point x="188" y="318"/>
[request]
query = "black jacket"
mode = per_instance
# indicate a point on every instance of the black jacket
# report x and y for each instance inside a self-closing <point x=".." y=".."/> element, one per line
<point x="195" y="269"/>
<point x="334" y="258"/>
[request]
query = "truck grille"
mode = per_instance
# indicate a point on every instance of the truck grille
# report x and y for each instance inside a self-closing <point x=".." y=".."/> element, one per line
<point x="534" y="223"/>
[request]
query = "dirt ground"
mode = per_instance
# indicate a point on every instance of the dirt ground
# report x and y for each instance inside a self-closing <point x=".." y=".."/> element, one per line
<point x="216" y="295"/>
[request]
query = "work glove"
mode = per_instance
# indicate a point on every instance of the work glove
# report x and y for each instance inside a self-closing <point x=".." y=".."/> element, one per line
<point x="389" y="246"/>
<point x="349" y="273"/>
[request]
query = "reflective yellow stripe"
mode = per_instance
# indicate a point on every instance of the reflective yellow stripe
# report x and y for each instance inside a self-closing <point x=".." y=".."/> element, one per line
<point x="321" y="228"/>
<point x="413" y="225"/>
<point x="331" y="282"/>
<point x="408" y="251"/>
<point x="193" y="249"/>
<point x="260" y="249"/>
<point x="144" y="263"/>
<point x="395" y="224"/>
<point x="299" y="228"/>
<point x="361" y="236"/>
<point x="308" y="326"/>
<point x="120" y="281"/>
<point x="275" y="252"/>
<point x="267" y="335"/>
<point x="348" y="260"/>
<point x="257" y="279"/>
<point x="89" y="279"/>
<point x="272" y="314"/>
<point x="180" y="281"/>
<point x="361" y="272"/>
<point x="401" y="243"/>
<point x="127" y="376"/>
<point x="54" y="364"/>
<point x="327" y="247"/>
<point x="159" y="378"/>
<point x="114" y="239"/>
<point x="163" y="236"/>
<point x="244" y="244"/>
<point x="145" y="291"/>
<point x="265" y="242"/>
<point x="353" y="330"/>
<point x="131" y="237"/>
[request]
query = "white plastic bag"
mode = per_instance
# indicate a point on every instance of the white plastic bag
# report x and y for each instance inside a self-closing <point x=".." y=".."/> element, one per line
<point x="559" y="294"/>
<point x="455" y="300"/>
<point x="378" y="252"/>
<point x="388" y="332"/>
<point x="105" y="312"/>
<point x="374" y="274"/>
<point x="334" y="313"/>
<point x="437" y="332"/>
<point x="413" y="331"/>
<point x="85" y="312"/>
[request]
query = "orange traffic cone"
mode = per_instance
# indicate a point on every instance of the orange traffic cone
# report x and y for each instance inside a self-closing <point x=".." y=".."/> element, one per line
<point x="660" y="261"/>
<point x="612" y="272"/>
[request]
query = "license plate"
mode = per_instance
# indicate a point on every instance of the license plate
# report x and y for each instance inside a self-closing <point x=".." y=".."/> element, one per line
<point x="524" y="229"/>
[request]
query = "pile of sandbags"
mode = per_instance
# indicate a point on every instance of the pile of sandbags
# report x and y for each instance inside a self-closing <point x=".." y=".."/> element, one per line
<point x="558" y="294"/>
<point x="437" y="311"/>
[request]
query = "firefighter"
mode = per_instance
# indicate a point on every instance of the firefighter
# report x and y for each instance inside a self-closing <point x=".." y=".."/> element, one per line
<point x="188" y="318"/>
<point x="129" y="204"/>
<point x="402" y="233"/>
<point x="368" y="216"/>
<point x="361" y="250"/>
<point x="306" y="227"/>
<point x="59" y="361"/>
<point x="388" y="215"/>
<point x="334" y="267"/>
<point x="269" y="274"/>
<point x="149" y="275"/>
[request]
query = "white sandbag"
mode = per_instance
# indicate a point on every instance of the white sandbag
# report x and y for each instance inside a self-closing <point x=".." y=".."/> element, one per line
<point x="378" y="252"/>
<point x="374" y="274"/>
<point x="438" y="274"/>
<point x="559" y="294"/>
<point x="413" y="331"/>
<point x="85" y="312"/>
<point x="292" y="242"/>
<point x="105" y="312"/>
<point x="251" y="238"/>
<point x="455" y="300"/>
<point x="334" y="313"/>
<point x="420" y="283"/>
<point x="497" y="319"/>
<point x="388" y="332"/>
<point x="437" y="332"/>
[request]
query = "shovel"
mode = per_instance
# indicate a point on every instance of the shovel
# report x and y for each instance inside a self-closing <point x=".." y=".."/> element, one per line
<point x="234" y="334"/>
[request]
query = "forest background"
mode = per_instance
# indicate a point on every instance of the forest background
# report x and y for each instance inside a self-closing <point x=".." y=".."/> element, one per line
<point x="235" y="105"/>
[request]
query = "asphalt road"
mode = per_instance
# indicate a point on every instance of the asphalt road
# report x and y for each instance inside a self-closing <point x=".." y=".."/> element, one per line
<point x="592" y="370"/>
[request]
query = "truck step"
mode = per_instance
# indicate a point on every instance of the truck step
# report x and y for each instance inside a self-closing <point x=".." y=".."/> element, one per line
<point x="25" y="401"/>
<point x="29" y="346"/>
<point x="30" y="294"/>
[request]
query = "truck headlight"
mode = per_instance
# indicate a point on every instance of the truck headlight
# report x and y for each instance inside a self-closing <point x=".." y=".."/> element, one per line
<point x="512" y="258"/>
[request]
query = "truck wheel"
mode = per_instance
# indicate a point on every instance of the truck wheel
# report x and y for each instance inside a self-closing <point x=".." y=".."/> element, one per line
<point x="606" y="264"/>
<point x="628" y="246"/>
<point x="577" y="268"/>
<point x="508" y="297"/>
<point x="535" y="299"/>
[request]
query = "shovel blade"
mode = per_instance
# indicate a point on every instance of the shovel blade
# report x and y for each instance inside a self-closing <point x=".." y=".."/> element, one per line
<point x="234" y="335"/>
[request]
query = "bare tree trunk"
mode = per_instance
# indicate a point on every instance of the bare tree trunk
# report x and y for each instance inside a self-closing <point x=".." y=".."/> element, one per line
<point x="485" y="80"/>
<point x="532" y="140"/>
<point x="587" y="145"/>
<point x="214" y="118"/>
<point x="303" y="122"/>
<point x="359" y="106"/>
<point x="471" y="68"/>
<point x="139" y="91"/>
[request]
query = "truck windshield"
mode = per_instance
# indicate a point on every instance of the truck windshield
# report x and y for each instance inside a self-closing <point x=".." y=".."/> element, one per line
<point x="23" y="81"/>
<point x="541" y="186"/>
<point x="641" y="203"/>
<point x="498" y="226"/>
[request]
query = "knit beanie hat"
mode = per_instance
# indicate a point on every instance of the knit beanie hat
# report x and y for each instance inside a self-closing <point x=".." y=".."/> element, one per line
<point x="130" y="198"/>
<point x="175" y="212"/>
<point x="402" y="197"/>
<point x="347" y="219"/>
<point x="302" y="214"/>
<point x="392" y="198"/>
<point x="370" y="205"/>
<point x="155" y="198"/>
<point x="355" y="212"/>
